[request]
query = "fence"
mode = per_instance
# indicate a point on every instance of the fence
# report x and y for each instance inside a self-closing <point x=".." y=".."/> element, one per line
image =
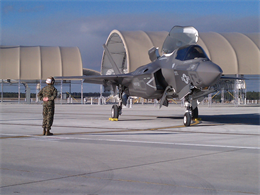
<point x="114" y="99"/>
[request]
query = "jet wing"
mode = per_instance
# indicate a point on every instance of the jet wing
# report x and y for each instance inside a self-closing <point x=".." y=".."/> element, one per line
<point x="123" y="79"/>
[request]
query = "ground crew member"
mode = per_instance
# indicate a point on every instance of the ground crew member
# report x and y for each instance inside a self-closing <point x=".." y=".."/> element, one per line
<point x="47" y="95"/>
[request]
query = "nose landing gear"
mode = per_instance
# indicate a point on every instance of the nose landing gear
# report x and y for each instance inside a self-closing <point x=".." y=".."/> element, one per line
<point x="187" y="118"/>
<point x="191" y="113"/>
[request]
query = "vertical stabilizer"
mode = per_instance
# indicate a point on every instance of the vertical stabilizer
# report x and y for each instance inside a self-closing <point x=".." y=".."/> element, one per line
<point x="110" y="58"/>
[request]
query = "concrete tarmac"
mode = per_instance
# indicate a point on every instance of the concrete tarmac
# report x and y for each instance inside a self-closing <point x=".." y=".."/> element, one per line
<point x="148" y="151"/>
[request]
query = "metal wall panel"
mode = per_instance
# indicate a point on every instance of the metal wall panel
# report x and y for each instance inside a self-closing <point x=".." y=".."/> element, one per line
<point x="255" y="37"/>
<point x="38" y="63"/>
<point x="247" y="53"/>
<point x="30" y="63"/>
<point x="51" y="62"/>
<point x="221" y="52"/>
<point x="9" y="63"/>
<point x="71" y="61"/>
<point x="139" y="44"/>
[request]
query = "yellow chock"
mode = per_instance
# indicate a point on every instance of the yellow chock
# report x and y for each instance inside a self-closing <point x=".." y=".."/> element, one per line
<point x="113" y="119"/>
<point x="197" y="119"/>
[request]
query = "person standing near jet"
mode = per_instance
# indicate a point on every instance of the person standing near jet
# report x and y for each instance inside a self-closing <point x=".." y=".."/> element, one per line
<point x="48" y="95"/>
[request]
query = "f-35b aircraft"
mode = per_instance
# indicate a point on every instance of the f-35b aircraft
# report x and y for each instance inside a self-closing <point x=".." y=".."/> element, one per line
<point x="183" y="71"/>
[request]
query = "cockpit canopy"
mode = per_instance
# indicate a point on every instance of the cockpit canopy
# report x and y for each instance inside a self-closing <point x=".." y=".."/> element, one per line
<point x="179" y="36"/>
<point x="190" y="52"/>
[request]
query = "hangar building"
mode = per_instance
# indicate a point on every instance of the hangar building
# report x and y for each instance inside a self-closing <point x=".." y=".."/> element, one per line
<point x="37" y="63"/>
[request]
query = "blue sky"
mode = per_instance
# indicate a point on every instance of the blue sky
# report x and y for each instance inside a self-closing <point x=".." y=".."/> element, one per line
<point x="87" y="24"/>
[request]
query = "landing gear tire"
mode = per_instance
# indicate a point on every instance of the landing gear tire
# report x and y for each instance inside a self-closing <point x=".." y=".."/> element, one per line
<point x="115" y="111"/>
<point x="195" y="113"/>
<point x="187" y="119"/>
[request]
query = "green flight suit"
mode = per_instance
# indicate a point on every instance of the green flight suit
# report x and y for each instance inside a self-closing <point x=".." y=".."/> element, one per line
<point x="48" y="107"/>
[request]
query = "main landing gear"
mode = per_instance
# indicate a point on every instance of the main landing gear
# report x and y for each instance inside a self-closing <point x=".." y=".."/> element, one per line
<point x="117" y="109"/>
<point x="191" y="113"/>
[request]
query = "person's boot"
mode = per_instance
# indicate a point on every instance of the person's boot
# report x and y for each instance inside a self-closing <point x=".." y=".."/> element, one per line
<point x="44" y="131"/>
<point x="48" y="133"/>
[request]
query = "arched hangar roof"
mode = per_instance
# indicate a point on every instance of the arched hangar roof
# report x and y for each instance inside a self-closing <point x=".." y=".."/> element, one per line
<point x="235" y="53"/>
<point x="90" y="72"/>
<point x="38" y="63"/>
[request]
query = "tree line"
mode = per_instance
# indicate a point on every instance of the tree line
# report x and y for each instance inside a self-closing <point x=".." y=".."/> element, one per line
<point x="252" y="95"/>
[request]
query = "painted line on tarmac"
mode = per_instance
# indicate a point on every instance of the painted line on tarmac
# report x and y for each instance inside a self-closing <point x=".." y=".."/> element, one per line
<point x="58" y="138"/>
<point x="120" y="130"/>
<point x="9" y="136"/>
<point x="175" y="144"/>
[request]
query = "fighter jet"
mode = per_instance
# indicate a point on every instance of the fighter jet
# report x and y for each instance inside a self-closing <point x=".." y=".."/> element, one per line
<point x="183" y="71"/>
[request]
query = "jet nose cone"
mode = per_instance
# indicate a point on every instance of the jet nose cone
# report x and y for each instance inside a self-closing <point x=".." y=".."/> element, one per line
<point x="209" y="73"/>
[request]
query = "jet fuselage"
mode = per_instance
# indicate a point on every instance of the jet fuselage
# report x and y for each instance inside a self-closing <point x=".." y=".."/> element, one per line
<point x="185" y="68"/>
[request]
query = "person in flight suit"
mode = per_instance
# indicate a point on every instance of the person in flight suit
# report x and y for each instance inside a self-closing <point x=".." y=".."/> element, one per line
<point x="47" y="95"/>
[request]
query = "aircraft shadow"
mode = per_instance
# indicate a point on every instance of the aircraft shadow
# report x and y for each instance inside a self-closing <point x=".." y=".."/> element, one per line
<point x="171" y="117"/>
<point x="158" y="117"/>
<point x="132" y="133"/>
<point x="247" y="119"/>
<point x="135" y="120"/>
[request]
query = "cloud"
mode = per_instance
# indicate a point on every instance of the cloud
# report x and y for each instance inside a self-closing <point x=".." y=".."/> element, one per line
<point x="8" y="8"/>
<point x="222" y="24"/>
<point x="164" y="22"/>
<point x="22" y="9"/>
<point x="32" y="9"/>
